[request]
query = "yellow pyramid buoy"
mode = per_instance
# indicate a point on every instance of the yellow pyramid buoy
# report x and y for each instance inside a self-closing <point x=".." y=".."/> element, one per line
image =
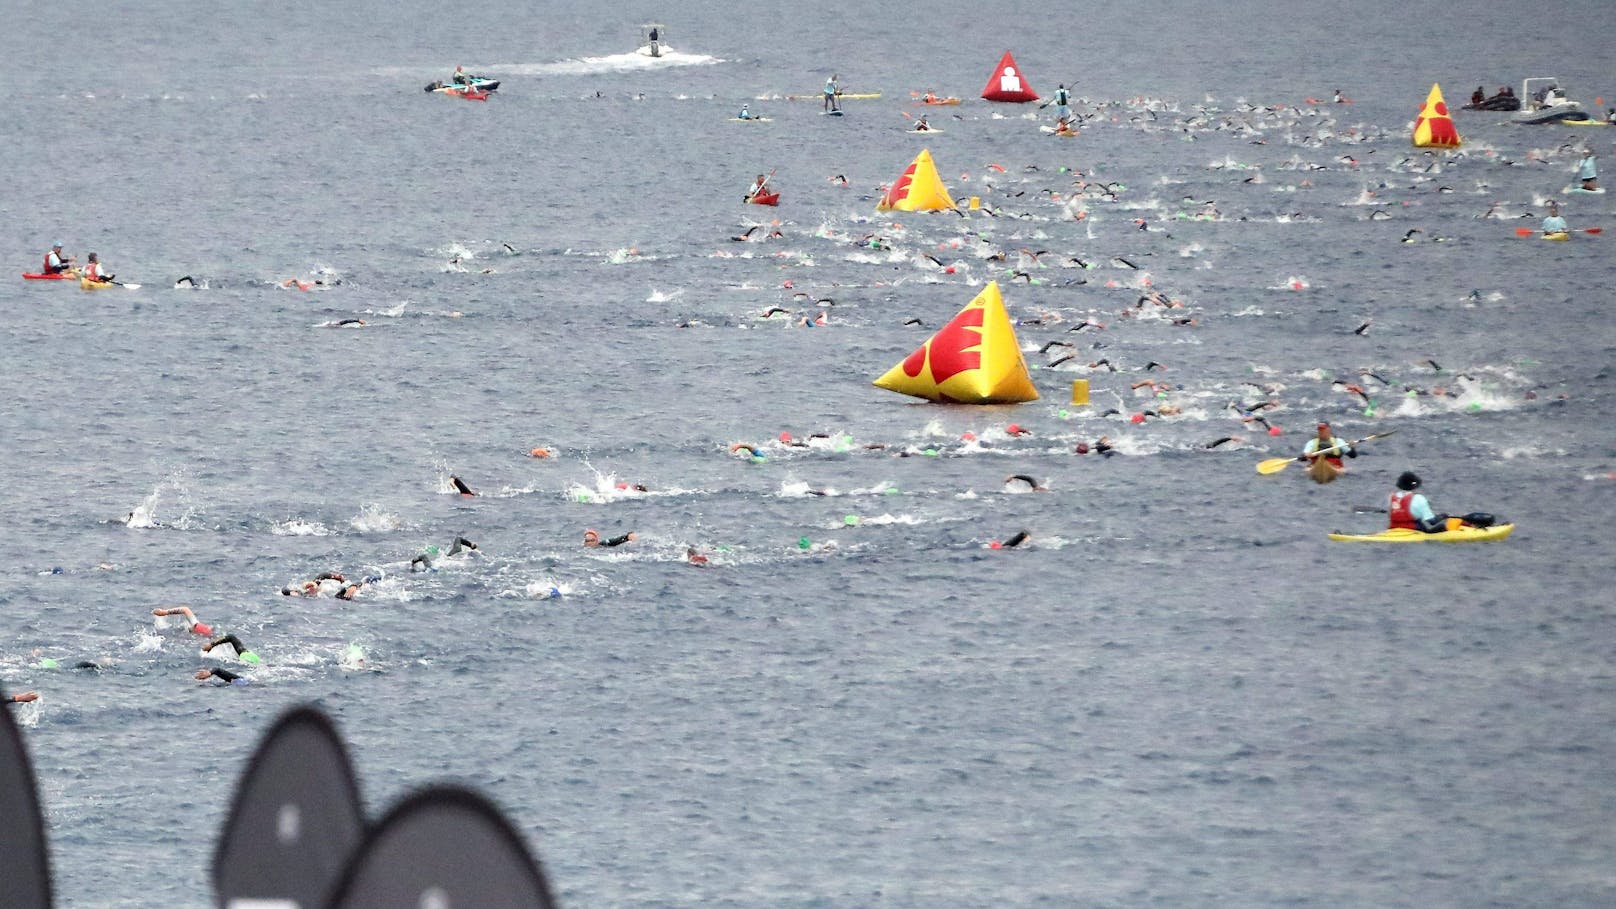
<point x="1434" y="128"/>
<point x="919" y="189"/>
<point x="974" y="359"/>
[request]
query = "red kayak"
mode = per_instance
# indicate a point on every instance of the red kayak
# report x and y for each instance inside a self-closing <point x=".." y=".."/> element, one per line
<point x="60" y="276"/>
<point x="765" y="199"/>
<point x="468" y="94"/>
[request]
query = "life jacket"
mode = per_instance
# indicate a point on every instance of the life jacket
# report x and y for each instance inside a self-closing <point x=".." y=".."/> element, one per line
<point x="1400" y="513"/>
<point x="93" y="271"/>
<point x="49" y="269"/>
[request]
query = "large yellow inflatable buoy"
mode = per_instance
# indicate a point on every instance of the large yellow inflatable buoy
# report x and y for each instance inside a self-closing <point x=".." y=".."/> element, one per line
<point x="918" y="189"/>
<point x="1434" y="128"/>
<point x="974" y="359"/>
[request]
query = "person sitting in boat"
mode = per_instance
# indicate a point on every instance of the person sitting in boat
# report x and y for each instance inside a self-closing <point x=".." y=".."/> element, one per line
<point x="1409" y="510"/>
<point x="760" y="187"/>
<point x="461" y="77"/>
<point x="745" y="114"/>
<point x="1321" y="447"/>
<point x="93" y="269"/>
<point x="931" y="97"/>
<point x="1478" y="97"/>
<point x="922" y="126"/>
<point x="1588" y="171"/>
<point x="55" y="262"/>
<point x="1063" y="127"/>
<point x="1554" y="224"/>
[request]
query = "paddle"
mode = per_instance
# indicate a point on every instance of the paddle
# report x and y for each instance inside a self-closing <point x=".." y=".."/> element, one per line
<point x="1275" y="465"/>
<point x="1527" y="231"/>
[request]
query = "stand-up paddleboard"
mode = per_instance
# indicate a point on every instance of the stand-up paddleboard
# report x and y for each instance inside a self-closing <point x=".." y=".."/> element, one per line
<point x="830" y="113"/>
<point x="1577" y="190"/>
<point x="25" y="880"/>
<point x="443" y="846"/>
<point x="295" y="821"/>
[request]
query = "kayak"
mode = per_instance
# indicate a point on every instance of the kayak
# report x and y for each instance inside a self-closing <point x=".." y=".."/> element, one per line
<point x="1557" y="235"/>
<point x="68" y="275"/>
<point x="479" y="83"/>
<point x="1322" y="471"/>
<point x="1402" y="535"/>
<point x="1056" y="131"/>
<point x="938" y="102"/>
<point x="751" y="119"/>
<point x="470" y="94"/>
<point x="765" y="199"/>
<point x="87" y="284"/>
<point x="930" y="130"/>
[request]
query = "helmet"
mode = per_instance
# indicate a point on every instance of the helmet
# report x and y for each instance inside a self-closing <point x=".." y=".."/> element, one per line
<point x="1408" y="481"/>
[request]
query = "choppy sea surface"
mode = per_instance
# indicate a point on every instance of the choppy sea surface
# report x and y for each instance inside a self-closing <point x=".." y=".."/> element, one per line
<point x="1177" y="693"/>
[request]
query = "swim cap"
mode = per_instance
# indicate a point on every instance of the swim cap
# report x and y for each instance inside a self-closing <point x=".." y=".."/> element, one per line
<point x="539" y="453"/>
<point x="968" y="437"/>
<point x="1082" y="448"/>
<point x="1138" y="418"/>
<point x="803" y="543"/>
<point x="48" y="663"/>
<point x="202" y="628"/>
<point x="1013" y="429"/>
<point x="1273" y="430"/>
<point x="432" y="550"/>
<point x="250" y="657"/>
<point x="851" y="520"/>
<point x="1408" y="481"/>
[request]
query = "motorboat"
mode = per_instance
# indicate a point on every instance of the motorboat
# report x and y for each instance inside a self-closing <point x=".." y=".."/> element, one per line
<point x="1542" y="101"/>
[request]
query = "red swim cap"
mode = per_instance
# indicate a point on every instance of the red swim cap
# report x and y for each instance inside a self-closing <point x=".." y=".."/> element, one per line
<point x="785" y="436"/>
<point x="202" y="628"/>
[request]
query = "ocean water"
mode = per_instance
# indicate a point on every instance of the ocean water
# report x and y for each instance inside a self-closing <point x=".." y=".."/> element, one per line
<point x="1179" y="693"/>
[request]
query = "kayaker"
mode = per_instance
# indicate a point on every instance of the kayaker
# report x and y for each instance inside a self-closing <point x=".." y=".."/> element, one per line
<point x="55" y="262"/>
<point x="1325" y="441"/>
<point x="831" y="91"/>
<point x="1554" y="224"/>
<point x="1063" y="127"/>
<point x="92" y="270"/>
<point x="921" y="125"/>
<point x="745" y="114"/>
<point x="759" y="187"/>
<point x="1588" y="172"/>
<point x="592" y="539"/>
<point x="1410" y="511"/>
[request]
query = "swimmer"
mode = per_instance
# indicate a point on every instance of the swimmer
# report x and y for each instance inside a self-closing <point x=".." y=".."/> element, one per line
<point x="461" y="487"/>
<point x="223" y="675"/>
<point x="592" y="539"/>
<point x="1216" y="442"/>
<point x="1364" y="328"/>
<point x="1023" y="478"/>
<point x="1016" y="430"/>
<point x="189" y="616"/>
<point x="694" y="557"/>
<point x="1021" y="536"/>
<point x="1101" y="446"/>
<point x="242" y="653"/>
<point x="541" y="453"/>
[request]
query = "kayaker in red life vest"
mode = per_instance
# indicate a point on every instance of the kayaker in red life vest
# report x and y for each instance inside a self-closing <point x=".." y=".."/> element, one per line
<point x="55" y="262"/>
<point x="1326" y="440"/>
<point x="92" y="270"/>
<point x="1410" y="511"/>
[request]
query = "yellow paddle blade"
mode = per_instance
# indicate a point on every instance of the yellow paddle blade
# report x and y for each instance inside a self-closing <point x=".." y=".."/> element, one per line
<point x="1273" y="465"/>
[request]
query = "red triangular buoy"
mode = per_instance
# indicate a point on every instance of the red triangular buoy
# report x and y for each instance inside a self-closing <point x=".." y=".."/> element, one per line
<point x="1007" y="83"/>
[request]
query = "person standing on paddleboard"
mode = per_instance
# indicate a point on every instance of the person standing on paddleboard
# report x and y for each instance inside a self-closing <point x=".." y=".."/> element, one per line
<point x="1588" y="171"/>
<point x="831" y="91"/>
<point x="1325" y="441"/>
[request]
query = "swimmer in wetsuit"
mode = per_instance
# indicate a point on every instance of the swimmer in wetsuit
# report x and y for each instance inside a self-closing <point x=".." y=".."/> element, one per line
<point x="223" y="675"/>
<point x="1031" y="483"/>
<point x="592" y="539"/>
<point x="461" y="487"/>
<point x="242" y="653"/>
<point x="1021" y="536"/>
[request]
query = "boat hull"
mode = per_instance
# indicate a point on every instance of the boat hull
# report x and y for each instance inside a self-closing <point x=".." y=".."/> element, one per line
<point x="1462" y="535"/>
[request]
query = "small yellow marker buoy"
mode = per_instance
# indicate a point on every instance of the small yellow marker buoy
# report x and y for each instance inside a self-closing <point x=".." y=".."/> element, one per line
<point x="976" y="203"/>
<point x="1080" y="392"/>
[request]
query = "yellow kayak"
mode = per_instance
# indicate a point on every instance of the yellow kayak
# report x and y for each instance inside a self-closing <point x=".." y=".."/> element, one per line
<point x="87" y="284"/>
<point x="1557" y="235"/>
<point x="1401" y="535"/>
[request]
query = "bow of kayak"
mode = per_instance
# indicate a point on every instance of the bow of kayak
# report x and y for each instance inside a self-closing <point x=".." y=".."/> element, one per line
<point x="1401" y="535"/>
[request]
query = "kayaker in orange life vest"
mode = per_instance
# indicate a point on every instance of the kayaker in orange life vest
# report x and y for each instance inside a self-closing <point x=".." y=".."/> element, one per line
<point x="1326" y="441"/>
<point x="55" y="262"/>
<point x="92" y="270"/>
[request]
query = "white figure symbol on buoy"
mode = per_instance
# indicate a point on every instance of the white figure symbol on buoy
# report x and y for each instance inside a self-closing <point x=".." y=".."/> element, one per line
<point x="1009" y="81"/>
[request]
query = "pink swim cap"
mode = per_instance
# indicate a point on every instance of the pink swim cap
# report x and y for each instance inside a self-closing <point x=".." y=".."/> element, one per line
<point x="202" y="628"/>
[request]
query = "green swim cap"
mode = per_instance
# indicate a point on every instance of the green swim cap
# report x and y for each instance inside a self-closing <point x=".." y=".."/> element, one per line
<point x="1474" y="407"/>
<point x="851" y="520"/>
<point x="891" y="491"/>
<point x="48" y="663"/>
<point x="1064" y="414"/>
<point x="803" y="543"/>
<point x="432" y="550"/>
<point x="250" y="657"/>
<point x="931" y="452"/>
